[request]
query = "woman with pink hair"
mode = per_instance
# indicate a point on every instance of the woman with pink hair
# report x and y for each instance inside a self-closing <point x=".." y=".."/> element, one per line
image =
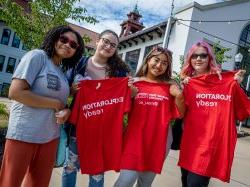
<point x="213" y="102"/>
<point x="205" y="64"/>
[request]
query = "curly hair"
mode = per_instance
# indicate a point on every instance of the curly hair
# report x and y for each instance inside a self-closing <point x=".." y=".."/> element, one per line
<point x="115" y="64"/>
<point x="52" y="37"/>
<point x="166" y="76"/>
<point x="188" y="70"/>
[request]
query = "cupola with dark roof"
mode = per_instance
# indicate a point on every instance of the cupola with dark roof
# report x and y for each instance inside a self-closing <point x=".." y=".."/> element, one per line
<point x="132" y="24"/>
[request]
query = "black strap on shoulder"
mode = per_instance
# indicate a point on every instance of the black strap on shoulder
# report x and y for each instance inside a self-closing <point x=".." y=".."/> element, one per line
<point x="78" y="69"/>
<point x="81" y="66"/>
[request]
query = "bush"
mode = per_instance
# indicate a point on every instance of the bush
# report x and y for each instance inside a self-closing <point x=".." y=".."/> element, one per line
<point x="3" y="111"/>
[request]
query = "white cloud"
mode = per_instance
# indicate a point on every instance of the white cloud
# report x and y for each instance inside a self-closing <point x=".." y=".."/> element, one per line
<point x="111" y="13"/>
<point x="99" y="27"/>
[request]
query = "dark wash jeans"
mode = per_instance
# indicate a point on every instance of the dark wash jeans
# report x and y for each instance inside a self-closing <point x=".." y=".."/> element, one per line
<point x="190" y="179"/>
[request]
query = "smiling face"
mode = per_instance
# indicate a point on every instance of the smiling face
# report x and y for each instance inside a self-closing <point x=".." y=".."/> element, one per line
<point x="157" y="66"/>
<point x="106" y="45"/>
<point x="200" y="61"/>
<point x="66" y="45"/>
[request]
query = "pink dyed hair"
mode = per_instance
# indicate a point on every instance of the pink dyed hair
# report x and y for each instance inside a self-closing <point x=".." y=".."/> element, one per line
<point x="188" y="70"/>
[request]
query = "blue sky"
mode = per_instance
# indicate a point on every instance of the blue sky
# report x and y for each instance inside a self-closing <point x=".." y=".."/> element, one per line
<point x="111" y="13"/>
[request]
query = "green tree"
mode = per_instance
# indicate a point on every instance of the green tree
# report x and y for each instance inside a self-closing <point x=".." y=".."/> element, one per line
<point x="86" y="40"/>
<point x="220" y="53"/>
<point x="32" y="23"/>
<point x="176" y="75"/>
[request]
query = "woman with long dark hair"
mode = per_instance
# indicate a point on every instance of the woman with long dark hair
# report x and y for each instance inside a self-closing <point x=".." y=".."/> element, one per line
<point x="104" y="64"/>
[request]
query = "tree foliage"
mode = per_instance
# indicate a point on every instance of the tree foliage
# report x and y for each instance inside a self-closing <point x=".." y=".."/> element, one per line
<point x="176" y="75"/>
<point x="220" y="53"/>
<point x="31" y="23"/>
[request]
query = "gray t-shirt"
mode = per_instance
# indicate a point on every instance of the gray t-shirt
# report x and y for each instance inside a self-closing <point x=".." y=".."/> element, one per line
<point x="31" y="124"/>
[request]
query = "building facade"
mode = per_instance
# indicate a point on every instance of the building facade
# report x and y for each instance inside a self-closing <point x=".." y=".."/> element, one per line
<point x="11" y="51"/>
<point x="227" y="22"/>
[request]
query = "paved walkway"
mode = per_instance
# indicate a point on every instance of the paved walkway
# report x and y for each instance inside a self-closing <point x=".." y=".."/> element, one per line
<point x="170" y="176"/>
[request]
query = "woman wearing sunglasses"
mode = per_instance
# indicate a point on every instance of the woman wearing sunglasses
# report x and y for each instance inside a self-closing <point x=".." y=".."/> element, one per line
<point x="104" y="64"/>
<point x="212" y="106"/>
<point x="39" y="89"/>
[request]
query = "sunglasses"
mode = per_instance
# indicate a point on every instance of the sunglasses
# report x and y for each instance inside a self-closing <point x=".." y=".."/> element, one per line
<point x="107" y="43"/>
<point x="64" y="39"/>
<point x="202" y="56"/>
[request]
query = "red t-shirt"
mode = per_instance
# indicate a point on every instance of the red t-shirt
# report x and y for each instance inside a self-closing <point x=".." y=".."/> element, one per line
<point x="98" y="113"/>
<point x="209" y="135"/>
<point x="146" y="137"/>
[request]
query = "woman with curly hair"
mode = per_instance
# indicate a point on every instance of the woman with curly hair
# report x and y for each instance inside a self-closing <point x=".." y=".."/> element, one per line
<point x="39" y="89"/>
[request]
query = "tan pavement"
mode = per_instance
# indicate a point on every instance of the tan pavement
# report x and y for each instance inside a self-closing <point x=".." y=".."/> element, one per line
<point x="170" y="176"/>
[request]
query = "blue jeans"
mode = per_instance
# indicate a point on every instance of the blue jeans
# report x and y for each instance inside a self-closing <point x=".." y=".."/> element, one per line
<point x="71" y="166"/>
<point x="127" y="178"/>
<point x="190" y="179"/>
